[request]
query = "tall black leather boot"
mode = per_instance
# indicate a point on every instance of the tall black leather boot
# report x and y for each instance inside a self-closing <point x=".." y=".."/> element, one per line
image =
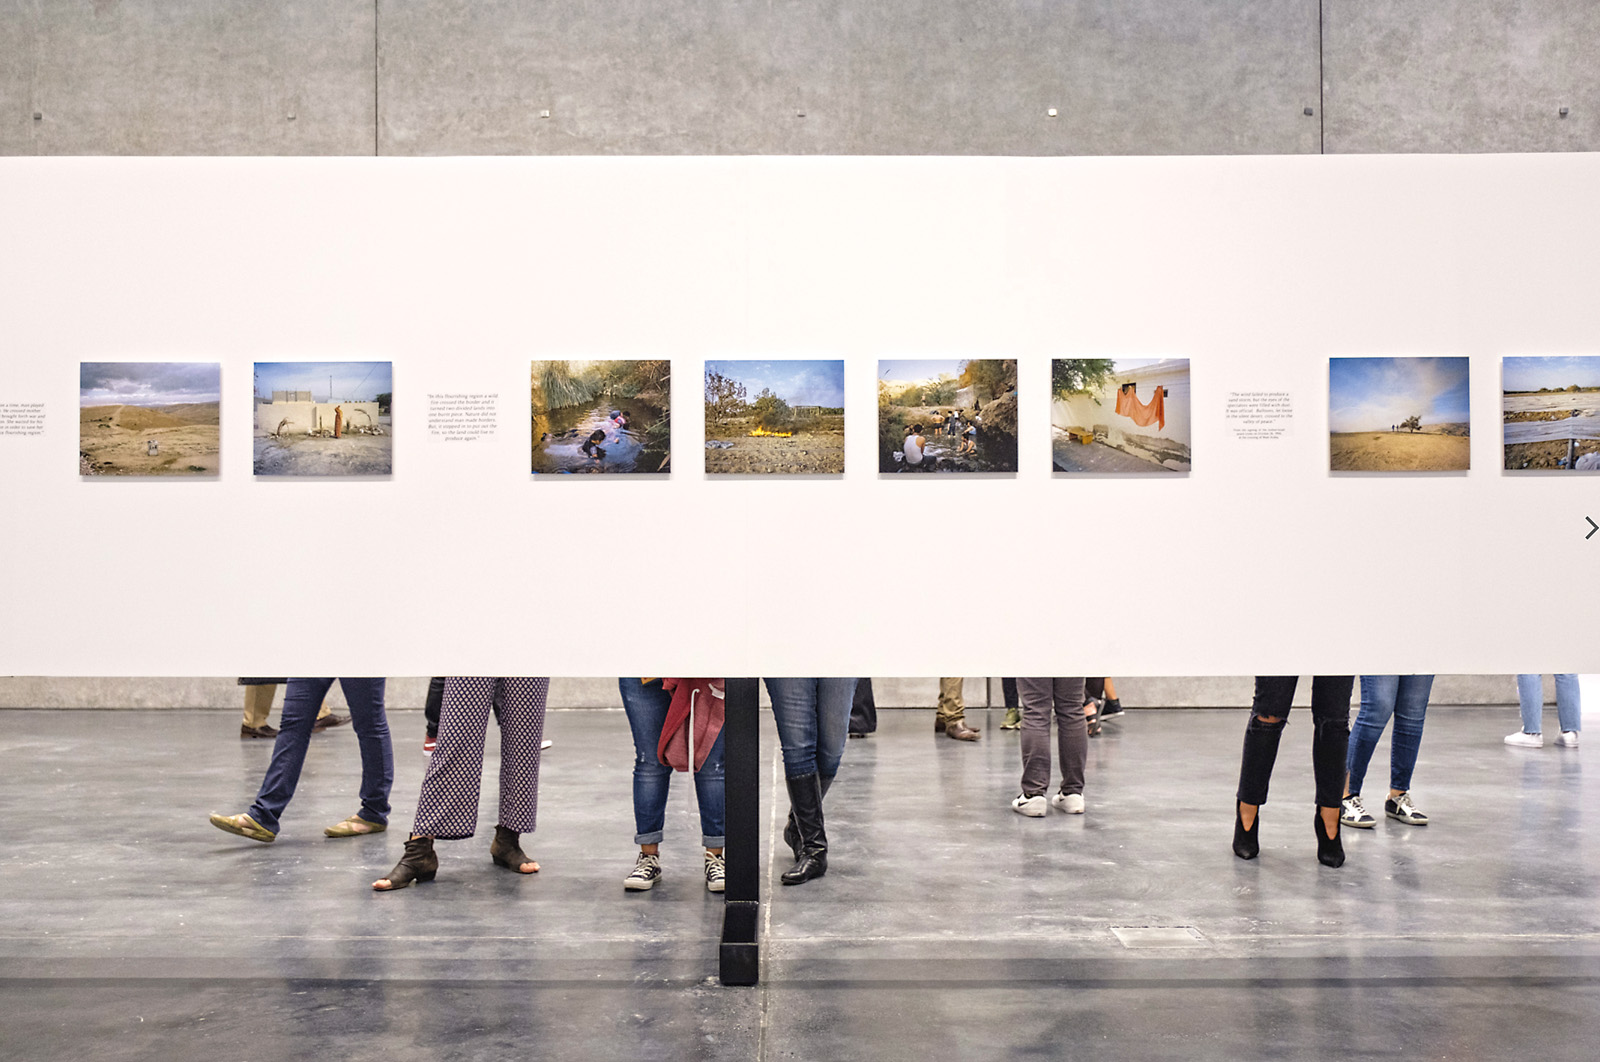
<point x="791" y="835"/>
<point x="805" y="798"/>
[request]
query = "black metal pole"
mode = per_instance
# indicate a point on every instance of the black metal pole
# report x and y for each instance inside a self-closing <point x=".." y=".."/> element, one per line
<point x="739" y="959"/>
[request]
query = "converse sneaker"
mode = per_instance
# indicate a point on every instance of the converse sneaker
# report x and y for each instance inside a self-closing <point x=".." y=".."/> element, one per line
<point x="1525" y="741"/>
<point x="716" y="872"/>
<point x="1568" y="739"/>
<point x="1402" y="809"/>
<point x="646" y="872"/>
<point x="1071" y="803"/>
<point x="1354" y="813"/>
<point x="1031" y="806"/>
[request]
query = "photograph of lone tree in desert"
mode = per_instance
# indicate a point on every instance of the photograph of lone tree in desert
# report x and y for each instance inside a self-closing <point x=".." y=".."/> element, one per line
<point x="149" y="418"/>
<point x="1398" y="415"/>
<point x="601" y="416"/>
<point x="324" y="418"/>
<point x="1115" y="416"/>
<point x="766" y="417"/>
<point x="1551" y="410"/>
<point x="947" y="415"/>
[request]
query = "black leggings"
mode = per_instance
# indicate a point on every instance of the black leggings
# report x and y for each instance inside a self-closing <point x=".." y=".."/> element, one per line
<point x="1330" y="738"/>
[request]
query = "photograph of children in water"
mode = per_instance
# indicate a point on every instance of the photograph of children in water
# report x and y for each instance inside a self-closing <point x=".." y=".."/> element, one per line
<point x="947" y="415"/>
<point x="601" y="416"/>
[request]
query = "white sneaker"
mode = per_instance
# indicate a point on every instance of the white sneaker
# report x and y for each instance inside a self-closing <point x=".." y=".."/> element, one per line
<point x="1402" y="809"/>
<point x="1525" y="741"/>
<point x="646" y="872"/>
<point x="1031" y="806"/>
<point x="1352" y="812"/>
<point x="1568" y="739"/>
<point x="1071" y="803"/>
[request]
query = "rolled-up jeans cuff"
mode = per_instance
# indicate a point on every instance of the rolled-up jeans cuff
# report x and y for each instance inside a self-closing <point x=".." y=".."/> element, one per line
<point x="648" y="838"/>
<point x="712" y="842"/>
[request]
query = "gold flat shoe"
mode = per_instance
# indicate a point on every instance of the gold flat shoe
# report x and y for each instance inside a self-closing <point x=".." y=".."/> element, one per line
<point x="244" y="826"/>
<point x="354" y="826"/>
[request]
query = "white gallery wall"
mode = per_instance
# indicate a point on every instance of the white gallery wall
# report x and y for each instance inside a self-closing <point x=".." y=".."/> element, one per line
<point x="462" y="271"/>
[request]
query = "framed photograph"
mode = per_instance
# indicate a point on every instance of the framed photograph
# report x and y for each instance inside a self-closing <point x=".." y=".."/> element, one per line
<point x="1551" y="413"/>
<point x="602" y="417"/>
<point x="324" y="418"/>
<point x="775" y="417"/>
<point x="947" y="415"/>
<point x="1398" y="415"/>
<point x="1119" y="416"/>
<point x="149" y="418"/>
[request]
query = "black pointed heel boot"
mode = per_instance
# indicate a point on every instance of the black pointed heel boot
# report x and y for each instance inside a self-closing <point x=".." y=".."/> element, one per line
<point x="420" y="863"/>
<point x="1330" y="850"/>
<point x="805" y="798"/>
<point x="1246" y="845"/>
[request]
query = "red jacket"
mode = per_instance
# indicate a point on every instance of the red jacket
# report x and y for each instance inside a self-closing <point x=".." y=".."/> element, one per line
<point x="706" y="697"/>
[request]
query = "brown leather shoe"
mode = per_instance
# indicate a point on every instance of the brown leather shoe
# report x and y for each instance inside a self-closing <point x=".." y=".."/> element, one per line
<point x="958" y="729"/>
<point x="262" y="731"/>
<point x="329" y="720"/>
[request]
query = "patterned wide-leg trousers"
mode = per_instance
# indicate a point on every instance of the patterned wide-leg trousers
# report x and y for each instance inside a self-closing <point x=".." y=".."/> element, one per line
<point x="447" y="809"/>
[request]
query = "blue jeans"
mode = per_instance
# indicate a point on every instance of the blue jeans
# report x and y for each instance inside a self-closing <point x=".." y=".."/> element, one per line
<point x="300" y="705"/>
<point x="1530" y="692"/>
<point x="646" y="705"/>
<point x="1405" y="697"/>
<point x="813" y="719"/>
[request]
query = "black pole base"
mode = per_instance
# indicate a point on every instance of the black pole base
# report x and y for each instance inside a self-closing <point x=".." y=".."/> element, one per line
<point x="739" y="958"/>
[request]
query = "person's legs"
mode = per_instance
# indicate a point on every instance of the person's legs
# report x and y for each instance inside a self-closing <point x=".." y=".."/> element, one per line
<point x="289" y="751"/>
<point x="1410" y="712"/>
<point x="371" y="724"/>
<point x="834" y="697"/>
<point x="258" y="705"/>
<point x="1269" y="711"/>
<point x="1569" y="711"/>
<point x="1530" y="696"/>
<point x="1378" y="694"/>
<point x="1038" y="702"/>
<point x="646" y="706"/>
<point x="794" y="713"/>
<point x="710" y="785"/>
<point x="951" y="706"/>
<point x="430" y="707"/>
<point x="1072" y="739"/>
<point x="1330" y="739"/>
<point x="447" y="807"/>
<point x="522" y="702"/>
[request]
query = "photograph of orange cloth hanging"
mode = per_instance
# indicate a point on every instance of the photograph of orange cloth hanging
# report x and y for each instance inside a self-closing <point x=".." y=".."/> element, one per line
<point x="1142" y="413"/>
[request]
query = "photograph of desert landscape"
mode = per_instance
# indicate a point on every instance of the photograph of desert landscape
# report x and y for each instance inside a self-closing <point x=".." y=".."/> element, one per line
<point x="1398" y="415"/>
<point x="775" y="417"/>
<point x="1114" y="416"/>
<point x="324" y="418"/>
<point x="141" y="418"/>
<point x="947" y="415"/>
<point x="601" y="416"/>
<point x="1551" y="410"/>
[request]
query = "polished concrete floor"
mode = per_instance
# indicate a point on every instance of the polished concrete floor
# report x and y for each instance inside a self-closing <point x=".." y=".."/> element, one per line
<point x="947" y="927"/>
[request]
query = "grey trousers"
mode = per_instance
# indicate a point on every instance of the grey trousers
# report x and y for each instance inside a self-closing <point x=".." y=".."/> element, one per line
<point x="1064" y="698"/>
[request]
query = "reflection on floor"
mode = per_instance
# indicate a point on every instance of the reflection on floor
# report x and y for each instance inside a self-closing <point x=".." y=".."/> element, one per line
<point x="947" y="927"/>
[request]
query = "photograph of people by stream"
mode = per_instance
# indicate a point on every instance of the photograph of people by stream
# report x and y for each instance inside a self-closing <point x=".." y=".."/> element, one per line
<point x="601" y="416"/>
<point x="775" y="417"/>
<point x="947" y="415"/>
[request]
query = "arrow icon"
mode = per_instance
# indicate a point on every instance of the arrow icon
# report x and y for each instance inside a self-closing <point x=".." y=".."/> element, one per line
<point x="1593" y="527"/>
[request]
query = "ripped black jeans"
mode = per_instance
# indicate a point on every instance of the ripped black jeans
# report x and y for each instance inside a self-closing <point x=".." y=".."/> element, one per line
<point x="1330" y="740"/>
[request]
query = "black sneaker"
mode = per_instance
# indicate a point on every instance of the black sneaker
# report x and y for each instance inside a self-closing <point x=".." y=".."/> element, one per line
<point x="1112" y="707"/>
<point x="716" y="872"/>
<point x="646" y="872"/>
<point x="1403" y="810"/>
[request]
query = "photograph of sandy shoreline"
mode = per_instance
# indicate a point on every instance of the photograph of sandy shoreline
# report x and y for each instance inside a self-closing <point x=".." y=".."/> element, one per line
<point x="149" y="418"/>
<point x="1398" y="415"/>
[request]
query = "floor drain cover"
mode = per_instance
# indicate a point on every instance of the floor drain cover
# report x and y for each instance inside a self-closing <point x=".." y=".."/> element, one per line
<point x="1159" y="936"/>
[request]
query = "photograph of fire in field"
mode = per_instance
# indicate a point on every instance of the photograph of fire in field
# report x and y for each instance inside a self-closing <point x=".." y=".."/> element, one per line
<point x="784" y="417"/>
